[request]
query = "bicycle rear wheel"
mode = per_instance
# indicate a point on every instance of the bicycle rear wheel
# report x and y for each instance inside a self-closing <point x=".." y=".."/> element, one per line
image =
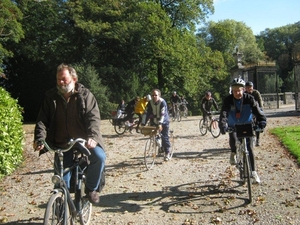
<point x="214" y="128"/>
<point x="150" y="153"/>
<point x="120" y="128"/>
<point x="57" y="210"/>
<point x="202" y="127"/>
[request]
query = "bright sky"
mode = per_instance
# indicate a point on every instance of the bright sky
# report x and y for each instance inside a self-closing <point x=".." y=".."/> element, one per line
<point x="258" y="14"/>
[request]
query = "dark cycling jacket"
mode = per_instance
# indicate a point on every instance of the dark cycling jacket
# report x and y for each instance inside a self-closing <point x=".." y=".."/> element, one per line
<point x="257" y="97"/>
<point x="245" y="106"/>
<point x="175" y="99"/>
<point x="207" y="104"/>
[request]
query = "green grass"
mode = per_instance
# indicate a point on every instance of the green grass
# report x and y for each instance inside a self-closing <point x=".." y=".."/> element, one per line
<point x="290" y="138"/>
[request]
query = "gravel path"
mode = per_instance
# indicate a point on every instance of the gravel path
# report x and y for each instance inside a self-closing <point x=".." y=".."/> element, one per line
<point x="198" y="186"/>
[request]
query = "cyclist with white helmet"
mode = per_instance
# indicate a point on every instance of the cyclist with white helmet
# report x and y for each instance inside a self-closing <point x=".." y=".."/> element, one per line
<point x="238" y="108"/>
<point x="139" y="109"/>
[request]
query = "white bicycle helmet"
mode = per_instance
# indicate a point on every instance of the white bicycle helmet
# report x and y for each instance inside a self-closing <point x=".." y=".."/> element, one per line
<point x="148" y="97"/>
<point x="238" y="82"/>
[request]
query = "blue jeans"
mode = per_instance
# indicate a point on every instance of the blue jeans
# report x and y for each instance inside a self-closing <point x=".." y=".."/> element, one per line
<point x="165" y="138"/>
<point x="94" y="171"/>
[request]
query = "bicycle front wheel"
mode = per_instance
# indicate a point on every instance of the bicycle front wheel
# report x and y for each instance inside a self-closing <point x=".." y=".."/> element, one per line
<point x="202" y="127"/>
<point x="150" y="153"/>
<point x="214" y="128"/>
<point x="247" y="174"/>
<point x="83" y="205"/>
<point x="57" y="211"/>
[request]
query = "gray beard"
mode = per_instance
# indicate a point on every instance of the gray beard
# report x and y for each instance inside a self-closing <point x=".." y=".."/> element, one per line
<point x="66" y="89"/>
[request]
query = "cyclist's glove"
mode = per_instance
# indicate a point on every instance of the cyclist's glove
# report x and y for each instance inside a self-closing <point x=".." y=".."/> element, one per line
<point x="223" y="130"/>
<point x="262" y="124"/>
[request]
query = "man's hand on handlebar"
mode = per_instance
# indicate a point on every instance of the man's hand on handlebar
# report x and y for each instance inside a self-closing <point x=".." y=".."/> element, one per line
<point x="38" y="145"/>
<point x="91" y="143"/>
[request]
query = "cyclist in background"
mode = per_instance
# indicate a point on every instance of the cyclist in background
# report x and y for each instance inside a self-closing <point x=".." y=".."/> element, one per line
<point x="121" y="108"/>
<point x="238" y="108"/>
<point x="174" y="100"/>
<point x="206" y="104"/>
<point x="129" y="109"/>
<point x="157" y="109"/>
<point x="140" y="109"/>
<point x="183" y="106"/>
<point x="256" y="94"/>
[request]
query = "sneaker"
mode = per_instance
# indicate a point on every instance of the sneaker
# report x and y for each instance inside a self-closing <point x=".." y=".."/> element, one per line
<point x="232" y="160"/>
<point x="167" y="157"/>
<point x="257" y="143"/>
<point x="255" y="177"/>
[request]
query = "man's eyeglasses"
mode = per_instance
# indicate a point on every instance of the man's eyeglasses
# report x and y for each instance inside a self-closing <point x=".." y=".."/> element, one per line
<point x="154" y="95"/>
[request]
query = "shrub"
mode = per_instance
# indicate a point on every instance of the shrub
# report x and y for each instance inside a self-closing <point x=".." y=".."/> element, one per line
<point x="11" y="133"/>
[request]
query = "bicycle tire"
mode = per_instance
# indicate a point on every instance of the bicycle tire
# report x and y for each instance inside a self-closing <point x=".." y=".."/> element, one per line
<point x="185" y="113"/>
<point x="171" y="139"/>
<point x="56" y="210"/>
<point x="247" y="174"/>
<point x="202" y="128"/>
<point x="120" y="129"/>
<point x="214" y="128"/>
<point x="150" y="153"/>
<point x="178" y="116"/>
<point x="83" y="205"/>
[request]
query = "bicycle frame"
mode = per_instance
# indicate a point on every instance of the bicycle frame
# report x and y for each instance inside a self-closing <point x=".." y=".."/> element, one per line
<point x="71" y="206"/>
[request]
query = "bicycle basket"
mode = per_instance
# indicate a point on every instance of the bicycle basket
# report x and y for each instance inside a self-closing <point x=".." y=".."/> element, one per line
<point x="244" y="130"/>
<point x="148" y="130"/>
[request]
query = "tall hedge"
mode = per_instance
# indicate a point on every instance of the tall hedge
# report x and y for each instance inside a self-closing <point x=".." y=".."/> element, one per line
<point x="11" y="133"/>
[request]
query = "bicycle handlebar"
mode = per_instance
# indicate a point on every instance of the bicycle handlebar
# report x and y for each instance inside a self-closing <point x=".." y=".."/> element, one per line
<point x="71" y="144"/>
<point x="255" y="128"/>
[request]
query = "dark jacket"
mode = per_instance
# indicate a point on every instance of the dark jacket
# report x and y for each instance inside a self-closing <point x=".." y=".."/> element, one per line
<point x="88" y="116"/>
<point x="257" y="96"/>
<point x="245" y="107"/>
<point x="207" y="104"/>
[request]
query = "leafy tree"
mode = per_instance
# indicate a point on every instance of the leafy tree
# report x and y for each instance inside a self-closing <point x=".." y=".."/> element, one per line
<point x="228" y="35"/>
<point x="89" y="77"/>
<point x="10" y="27"/>
<point x="279" y="43"/>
